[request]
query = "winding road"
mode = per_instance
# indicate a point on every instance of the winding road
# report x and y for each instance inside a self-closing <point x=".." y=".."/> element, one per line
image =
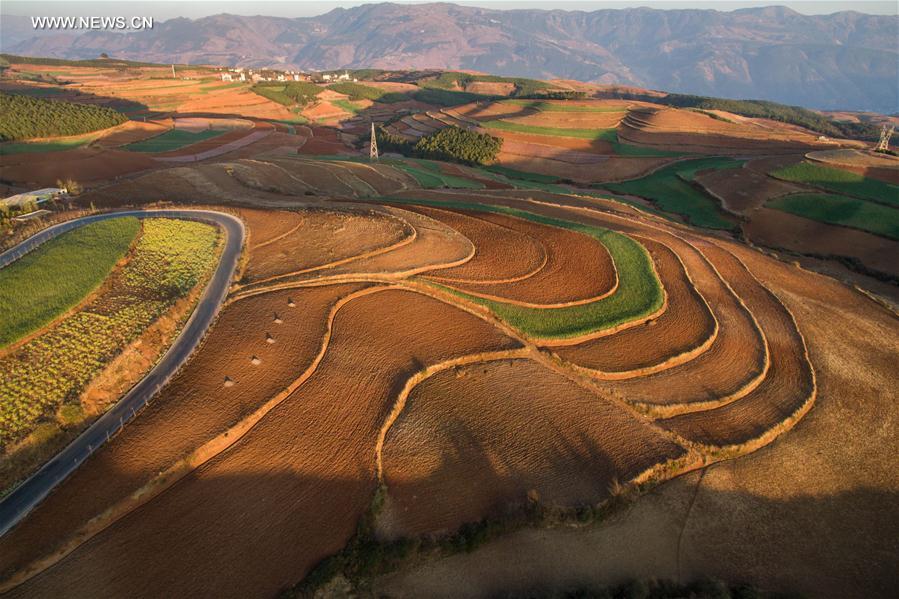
<point x="30" y="493"/>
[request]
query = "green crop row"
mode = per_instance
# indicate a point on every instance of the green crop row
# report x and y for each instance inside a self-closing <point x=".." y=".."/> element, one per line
<point x="170" y="258"/>
<point x="671" y="189"/>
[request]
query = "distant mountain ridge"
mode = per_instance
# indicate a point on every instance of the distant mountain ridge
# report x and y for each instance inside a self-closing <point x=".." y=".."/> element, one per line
<point x="846" y="60"/>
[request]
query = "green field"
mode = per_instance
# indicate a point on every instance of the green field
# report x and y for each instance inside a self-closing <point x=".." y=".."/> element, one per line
<point x="45" y="376"/>
<point x="840" y="181"/>
<point x="552" y="107"/>
<point x="670" y="189"/>
<point x="42" y="146"/>
<point x="173" y="139"/>
<point x="348" y="106"/>
<point x="57" y="275"/>
<point x="842" y="210"/>
<point x="357" y="91"/>
<point x="639" y="292"/>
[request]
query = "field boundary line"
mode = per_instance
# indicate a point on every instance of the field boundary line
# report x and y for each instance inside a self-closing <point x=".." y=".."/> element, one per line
<point x="184" y="466"/>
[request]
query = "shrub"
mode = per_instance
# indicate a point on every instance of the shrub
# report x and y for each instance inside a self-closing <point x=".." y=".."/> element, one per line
<point x="289" y="93"/>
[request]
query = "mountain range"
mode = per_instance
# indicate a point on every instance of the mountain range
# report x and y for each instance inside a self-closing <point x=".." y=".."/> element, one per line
<point x="845" y="60"/>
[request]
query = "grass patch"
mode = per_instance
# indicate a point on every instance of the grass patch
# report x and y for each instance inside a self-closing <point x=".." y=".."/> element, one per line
<point x="842" y="210"/>
<point x="53" y="278"/>
<point x="348" y="106"/>
<point x="840" y="181"/>
<point x="357" y="91"/>
<point x="511" y="173"/>
<point x="552" y="107"/>
<point x="639" y="290"/>
<point x="43" y="146"/>
<point x="670" y="189"/>
<point x="445" y="97"/>
<point x="173" y="139"/>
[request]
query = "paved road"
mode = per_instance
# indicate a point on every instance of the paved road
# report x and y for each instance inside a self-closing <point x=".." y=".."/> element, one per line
<point x="29" y="494"/>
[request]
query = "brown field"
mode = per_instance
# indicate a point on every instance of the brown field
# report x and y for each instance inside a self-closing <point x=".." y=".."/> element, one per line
<point x="556" y="441"/>
<point x="562" y="280"/>
<point x="502" y="253"/>
<point x="321" y="238"/>
<point x="743" y="190"/>
<point x="877" y="166"/>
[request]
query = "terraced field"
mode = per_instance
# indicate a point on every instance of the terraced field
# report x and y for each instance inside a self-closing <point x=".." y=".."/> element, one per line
<point x="480" y="309"/>
<point x="61" y="376"/>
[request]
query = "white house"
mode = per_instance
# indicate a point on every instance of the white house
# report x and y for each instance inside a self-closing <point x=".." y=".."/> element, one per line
<point x="227" y="77"/>
<point x="38" y="196"/>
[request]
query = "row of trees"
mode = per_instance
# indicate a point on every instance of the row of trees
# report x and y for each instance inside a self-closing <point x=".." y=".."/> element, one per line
<point x="452" y="144"/>
<point x="27" y="117"/>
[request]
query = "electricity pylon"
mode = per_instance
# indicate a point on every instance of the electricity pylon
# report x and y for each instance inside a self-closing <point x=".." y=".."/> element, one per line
<point x="373" y="149"/>
<point x="885" y="134"/>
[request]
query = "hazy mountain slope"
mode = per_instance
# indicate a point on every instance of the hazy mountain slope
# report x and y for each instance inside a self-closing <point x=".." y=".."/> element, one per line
<point x="845" y="60"/>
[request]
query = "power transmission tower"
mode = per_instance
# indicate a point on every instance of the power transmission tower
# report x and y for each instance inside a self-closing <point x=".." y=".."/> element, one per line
<point x="373" y="149"/>
<point x="885" y="134"/>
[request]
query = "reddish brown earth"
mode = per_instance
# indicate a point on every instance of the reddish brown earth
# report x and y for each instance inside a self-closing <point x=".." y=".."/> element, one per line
<point x="562" y="279"/>
<point x="194" y="407"/>
<point x="324" y="237"/>
<point x="501" y="252"/>
<point x="85" y="164"/>
<point x="510" y="429"/>
<point x="232" y="527"/>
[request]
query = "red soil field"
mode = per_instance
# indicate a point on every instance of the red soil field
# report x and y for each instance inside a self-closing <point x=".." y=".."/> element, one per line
<point x="267" y="226"/>
<point x="734" y="363"/>
<point x="788" y="386"/>
<point x="509" y="429"/>
<point x="562" y="280"/>
<point x="743" y="190"/>
<point x="257" y="517"/>
<point x="571" y="120"/>
<point x="324" y="237"/>
<point x="616" y="168"/>
<point x="686" y="325"/>
<point x="692" y="131"/>
<point x="781" y="230"/>
<point x="501" y="253"/>
<point x="192" y="408"/>
<point x="592" y="153"/>
<point x="323" y="141"/>
<point x="85" y="165"/>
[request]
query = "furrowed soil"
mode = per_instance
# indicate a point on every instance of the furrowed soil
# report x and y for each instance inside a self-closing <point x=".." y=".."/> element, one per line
<point x="789" y="382"/>
<point x="743" y="190"/>
<point x="322" y="237"/>
<point x="578" y="268"/>
<point x="510" y="429"/>
<point x="257" y="517"/>
<point x="814" y="513"/>
<point x="501" y="252"/>
<point x="194" y="407"/>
